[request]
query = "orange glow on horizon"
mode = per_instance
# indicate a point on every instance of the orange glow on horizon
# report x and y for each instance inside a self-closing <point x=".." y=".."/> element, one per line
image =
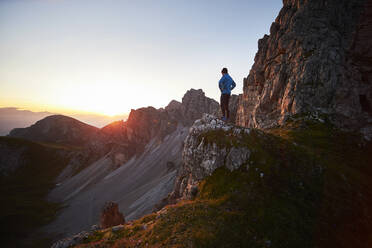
<point x="62" y="110"/>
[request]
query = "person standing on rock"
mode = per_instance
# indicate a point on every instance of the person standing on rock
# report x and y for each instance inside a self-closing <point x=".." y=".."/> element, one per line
<point x="226" y="85"/>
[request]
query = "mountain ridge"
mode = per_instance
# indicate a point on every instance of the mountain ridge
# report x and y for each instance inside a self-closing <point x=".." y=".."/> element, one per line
<point x="58" y="129"/>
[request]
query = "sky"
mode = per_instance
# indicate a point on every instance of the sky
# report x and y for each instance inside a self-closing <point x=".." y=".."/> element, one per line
<point x="111" y="56"/>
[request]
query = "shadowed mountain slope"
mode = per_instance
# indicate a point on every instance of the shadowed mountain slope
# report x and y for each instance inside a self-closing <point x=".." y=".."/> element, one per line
<point x="27" y="173"/>
<point x="57" y="129"/>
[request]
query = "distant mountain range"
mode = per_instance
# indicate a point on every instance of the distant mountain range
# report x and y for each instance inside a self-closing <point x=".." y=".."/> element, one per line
<point x="11" y="117"/>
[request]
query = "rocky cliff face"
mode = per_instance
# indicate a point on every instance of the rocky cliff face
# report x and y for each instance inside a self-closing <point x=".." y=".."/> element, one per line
<point x="194" y="104"/>
<point x="317" y="58"/>
<point x="201" y="157"/>
<point x="122" y="140"/>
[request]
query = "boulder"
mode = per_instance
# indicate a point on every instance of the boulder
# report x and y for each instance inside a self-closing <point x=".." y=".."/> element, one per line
<point x="111" y="216"/>
<point x="201" y="157"/>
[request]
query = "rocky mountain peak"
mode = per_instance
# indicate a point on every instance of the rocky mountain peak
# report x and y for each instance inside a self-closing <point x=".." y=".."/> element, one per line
<point x="317" y="59"/>
<point x="146" y="123"/>
<point x="113" y="127"/>
<point x="173" y="105"/>
<point x="57" y="129"/>
<point x="195" y="103"/>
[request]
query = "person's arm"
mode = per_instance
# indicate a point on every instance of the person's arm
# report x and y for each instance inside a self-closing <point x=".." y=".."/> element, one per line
<point x="233" y="85"/>
<point x="221" y="83"/>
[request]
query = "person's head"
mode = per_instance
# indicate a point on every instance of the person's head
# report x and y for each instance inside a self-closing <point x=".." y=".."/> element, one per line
<point x="224" y="70"/>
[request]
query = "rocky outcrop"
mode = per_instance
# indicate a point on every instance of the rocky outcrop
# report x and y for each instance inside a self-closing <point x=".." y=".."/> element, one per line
<point x="111" y="216"/>
<point x="121" y="140"/>
<point x="145" y="123"/>
<point x="317" y="58"/>
<point x="201" y="157"/>
<point x="195" y="104"/>
<point x="57" y="129"/>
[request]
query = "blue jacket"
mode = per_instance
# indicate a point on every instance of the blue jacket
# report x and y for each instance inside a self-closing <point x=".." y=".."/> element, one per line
<point x="226" y="84"/>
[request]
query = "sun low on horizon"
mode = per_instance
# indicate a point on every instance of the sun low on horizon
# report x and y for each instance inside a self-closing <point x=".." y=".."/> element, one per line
<point x="108" y="57"/>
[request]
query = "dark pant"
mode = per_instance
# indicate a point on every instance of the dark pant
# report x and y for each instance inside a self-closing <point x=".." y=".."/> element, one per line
<point x="225" y="105"/>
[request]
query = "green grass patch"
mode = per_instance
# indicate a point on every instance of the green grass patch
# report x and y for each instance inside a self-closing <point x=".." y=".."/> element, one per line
<point x="96" y="236"/>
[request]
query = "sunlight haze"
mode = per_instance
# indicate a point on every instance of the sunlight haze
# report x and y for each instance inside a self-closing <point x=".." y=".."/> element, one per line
<point x="112" y="56"/>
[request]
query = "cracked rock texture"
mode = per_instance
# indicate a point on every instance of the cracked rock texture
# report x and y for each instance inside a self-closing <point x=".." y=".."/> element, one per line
<point x="201" y="159"/>
<point x="317" y="58"/>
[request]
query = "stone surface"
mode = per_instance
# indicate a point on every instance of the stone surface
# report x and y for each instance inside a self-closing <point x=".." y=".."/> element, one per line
<point x="317" y="58"/>
<point x="111" y="216"/>
<point x="71" y="241"/>
<point x="201" y="159"/>
<point x="195" y="104"/>
<point x="117" y="228"/>
<point x="95" y="228"/>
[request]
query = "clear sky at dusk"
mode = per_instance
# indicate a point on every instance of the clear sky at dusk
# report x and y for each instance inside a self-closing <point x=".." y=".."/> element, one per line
<point x="108" y="56"/>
